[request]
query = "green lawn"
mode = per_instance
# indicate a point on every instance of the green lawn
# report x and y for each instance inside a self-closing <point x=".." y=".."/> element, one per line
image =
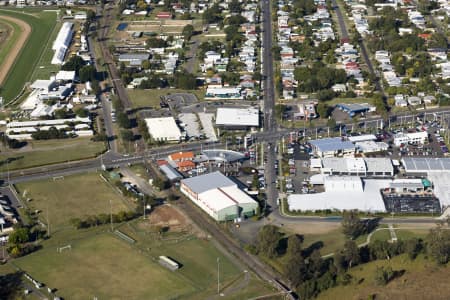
<point x="411" y="233"/>
<point x="6" y="47"/>
<point x="102" y="265"/>
<point x="39" y="153"/>
<point x="143" y="98"/>
<point x="151" y="98"/>
<point x="42" y="23"/>
<point x="105" y="267"/>
<point x="381" y="235"/>
<point x="333" y="241"/>
<point x="44" y="67"/>
<point x="75" y="196"/>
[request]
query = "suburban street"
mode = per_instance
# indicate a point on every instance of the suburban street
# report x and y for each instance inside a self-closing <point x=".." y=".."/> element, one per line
<point x="362" y="46"/>
<point x="270" y="125"/>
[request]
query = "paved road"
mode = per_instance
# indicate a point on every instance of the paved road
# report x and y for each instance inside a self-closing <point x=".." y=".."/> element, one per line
<point x="362" y="46"/>
<point x="105" y="23"/>
<point x="270" y="125"/>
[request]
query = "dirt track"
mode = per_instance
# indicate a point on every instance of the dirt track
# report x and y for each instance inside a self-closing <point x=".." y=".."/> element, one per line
<point x="6" y="65"/>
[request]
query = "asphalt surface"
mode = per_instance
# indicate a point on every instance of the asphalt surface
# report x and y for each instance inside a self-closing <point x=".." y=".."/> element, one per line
<point x="362" y="46"/>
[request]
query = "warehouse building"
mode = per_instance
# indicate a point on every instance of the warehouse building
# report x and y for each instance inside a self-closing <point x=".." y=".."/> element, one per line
<point x="343" y="193"/>
<point x="219" y="196"/>
<point x="370" y="195"/>
<point x="355" y="108"/>
<point x="237" y="118"/>
<point x="365" y="167"/>
<point x="371" y="146"/>
<point x="163" y="129"/>
<point x="437" y="170"/>
<point x="420" y="137"/>
<point x="330" y="147"/>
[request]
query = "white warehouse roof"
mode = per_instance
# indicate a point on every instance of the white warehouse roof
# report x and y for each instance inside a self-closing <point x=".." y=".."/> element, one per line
<point x="362" y="138"/>
<point x="237" y="117"/>
<point x="345" y="197"/>
<point x="220" y="198"/>
<point x="164" y="129"/>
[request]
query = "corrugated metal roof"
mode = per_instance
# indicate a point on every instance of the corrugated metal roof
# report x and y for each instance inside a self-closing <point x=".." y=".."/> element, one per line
<point x="170" y="172"/>
<point x="332" y="144"/>
<point x="203" y="183"/>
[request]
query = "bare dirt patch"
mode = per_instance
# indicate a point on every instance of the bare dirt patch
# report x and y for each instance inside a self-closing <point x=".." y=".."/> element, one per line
<point x="18" y="45"/>
<point x="173" y="219"/>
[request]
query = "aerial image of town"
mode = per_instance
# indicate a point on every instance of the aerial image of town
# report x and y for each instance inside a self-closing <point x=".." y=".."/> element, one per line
<point x="225" y="149"/>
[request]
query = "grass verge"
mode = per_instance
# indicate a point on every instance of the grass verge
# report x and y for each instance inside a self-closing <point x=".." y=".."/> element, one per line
<point x="40" y="153"/>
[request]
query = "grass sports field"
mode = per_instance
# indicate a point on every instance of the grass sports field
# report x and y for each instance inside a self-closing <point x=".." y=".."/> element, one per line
<point x="102" y="265"/>
<point x="40" y="153"/>
<point x="42" y="24"/>
<point x="74" y="196"/>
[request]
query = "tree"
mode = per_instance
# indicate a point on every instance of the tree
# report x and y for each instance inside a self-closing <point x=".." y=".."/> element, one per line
<point x="351" y="253"/>
<point x="438" y="245"/>
<point x="87" y="73"/>
<point x="315" y="264"/>
<point x="127" y="135"/>
<point x="95" y="86"/>
<point x="123" y="120"/>
<point x="413" y="247"/>
<point x="146" y="64"/>
<point x="351" y="224"/>
<point x="11" y="286"/>
<point x="185" y="81"/>
<point x="160" y="183"/>
<point x="73" y="64"/>
<point x="323" y="110"/>
<point x="294" y="269"/>
<point x="268" y="238"/>
<point x="235" y="6"/>
<point x="188" y="32"/>
<point x="61" y="114"/>
<point x="384" y="275"/>
<point x="155" y="42"/>
<point x="19" y="236"/>
<point x="81" y="112"/>
<point x="294" y="247"/>
<point x="77" y="223"/>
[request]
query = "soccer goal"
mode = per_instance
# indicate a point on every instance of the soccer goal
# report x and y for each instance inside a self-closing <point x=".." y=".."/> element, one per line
<point x="61" y="249"/>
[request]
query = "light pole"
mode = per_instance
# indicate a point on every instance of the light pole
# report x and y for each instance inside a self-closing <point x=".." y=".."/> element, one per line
<point x="110" y="213"/>
<point x="218" y="276"/>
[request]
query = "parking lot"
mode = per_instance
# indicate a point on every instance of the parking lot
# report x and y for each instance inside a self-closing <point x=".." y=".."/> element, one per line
<point x="410" y="203"/>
